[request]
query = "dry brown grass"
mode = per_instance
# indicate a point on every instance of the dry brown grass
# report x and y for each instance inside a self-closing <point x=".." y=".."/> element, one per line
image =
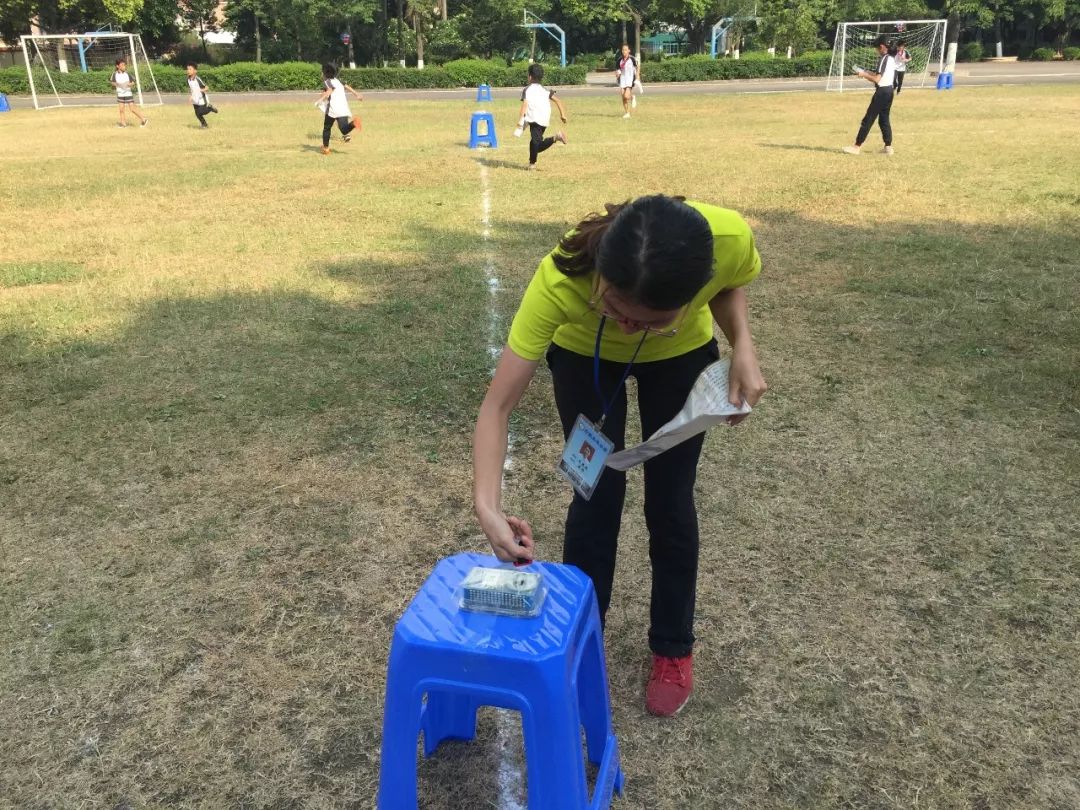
<point x="234" y="439"/>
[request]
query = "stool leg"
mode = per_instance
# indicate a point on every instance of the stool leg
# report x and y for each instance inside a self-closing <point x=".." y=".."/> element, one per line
<point x="556" y="773"/>
<point x="447" y="716"/>
<point x="593" y="700"/>
<point x="401" y="724"/>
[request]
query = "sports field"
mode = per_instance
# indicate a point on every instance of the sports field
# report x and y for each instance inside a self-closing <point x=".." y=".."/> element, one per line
<point x="237" y="387"/>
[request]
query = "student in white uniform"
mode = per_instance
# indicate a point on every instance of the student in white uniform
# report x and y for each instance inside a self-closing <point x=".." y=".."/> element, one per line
<point x="901" y="58"/>
<point x="122" y="81"/>
<point x="536" y="112"/>
<point x="335" y="107"/>
<point x="626" y="73"/>
<point x="199" y="101"/>
<point x="881" y="103"/>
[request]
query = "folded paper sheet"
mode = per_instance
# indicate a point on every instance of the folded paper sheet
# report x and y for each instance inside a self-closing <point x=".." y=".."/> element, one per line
<point x="706" y="406"/>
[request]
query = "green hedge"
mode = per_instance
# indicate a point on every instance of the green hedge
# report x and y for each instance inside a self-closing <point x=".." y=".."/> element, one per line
<point x="704" y="68"/>
<point x="241" y="76"/>
<point x="471" y="72"/>
<point x="1043" y="54"/>
<point x="1070" y="54"/>
<point x="299" y="76"/>
<point x="970" y="52"/>
<point x="13" y="81"/>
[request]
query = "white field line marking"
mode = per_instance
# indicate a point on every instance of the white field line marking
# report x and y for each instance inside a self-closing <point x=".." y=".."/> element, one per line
<point x="509" y="775"/>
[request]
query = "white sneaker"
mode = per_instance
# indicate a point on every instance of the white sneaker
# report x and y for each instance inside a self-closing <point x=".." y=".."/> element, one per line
<point x="560" y="136"/>
<point x="853" y="150"/>
<point x="626" y="115"/>
<point x="887" y="150"/>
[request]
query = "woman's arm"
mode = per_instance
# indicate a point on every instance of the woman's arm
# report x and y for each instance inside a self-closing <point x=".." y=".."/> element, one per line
<point x="359" y="97"/>
<point x="510" y="537"/>
<point x="730" y="310"/>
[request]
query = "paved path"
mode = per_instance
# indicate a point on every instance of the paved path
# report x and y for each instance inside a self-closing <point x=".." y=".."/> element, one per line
<point x="601" y="84"/>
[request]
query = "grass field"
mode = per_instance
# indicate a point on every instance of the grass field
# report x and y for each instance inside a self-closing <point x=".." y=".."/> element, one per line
<point x="237" y="385"/>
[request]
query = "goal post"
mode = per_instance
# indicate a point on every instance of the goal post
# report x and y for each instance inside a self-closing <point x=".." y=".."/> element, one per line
<point x="74" y="70"/>
<point x="854" y="47"/>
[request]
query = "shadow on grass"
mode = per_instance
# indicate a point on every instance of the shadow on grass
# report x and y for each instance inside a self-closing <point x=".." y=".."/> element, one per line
<point x="210" y="393"/>
<point x="800" y="147"/>
<point x="504" y="164"/>
<point x="995" y="305"/>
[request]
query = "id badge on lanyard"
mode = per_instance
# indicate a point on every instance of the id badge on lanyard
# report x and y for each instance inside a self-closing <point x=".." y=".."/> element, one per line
<point x="587" y="448"/>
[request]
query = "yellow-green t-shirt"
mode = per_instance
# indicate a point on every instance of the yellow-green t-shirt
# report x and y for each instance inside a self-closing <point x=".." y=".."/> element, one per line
<point x="555" y="306"/>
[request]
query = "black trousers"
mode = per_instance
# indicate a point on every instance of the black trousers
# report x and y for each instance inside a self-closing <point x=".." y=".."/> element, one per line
<point x="879" y="108"/>
<point x="898" y="81"/>
<point x="201" y="111"/>
<point x="328" y="124"/>
<point x="537" y="142"/>
<point x="592" y="527"/>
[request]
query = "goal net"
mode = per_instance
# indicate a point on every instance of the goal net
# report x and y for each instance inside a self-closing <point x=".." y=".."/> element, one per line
<point x="74" y="70"/>
<point x="924" y="41"/>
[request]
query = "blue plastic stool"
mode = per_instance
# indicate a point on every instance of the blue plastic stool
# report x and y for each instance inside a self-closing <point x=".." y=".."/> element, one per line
<point x="4" y="106"/>
<point x="487" y="138"/>
<point x="483" y="92"/>
<point x="944" y="81"/>
<point x="550" y="668"/>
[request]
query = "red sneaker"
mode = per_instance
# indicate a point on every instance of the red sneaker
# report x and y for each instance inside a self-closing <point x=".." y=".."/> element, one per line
<point x="670" y="685"/>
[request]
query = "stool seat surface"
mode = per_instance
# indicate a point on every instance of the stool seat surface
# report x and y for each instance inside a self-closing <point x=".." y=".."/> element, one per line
<point x="435" y="617"/>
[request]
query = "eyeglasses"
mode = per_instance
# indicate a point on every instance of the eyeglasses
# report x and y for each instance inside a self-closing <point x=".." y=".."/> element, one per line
<point x="600" y="306"/>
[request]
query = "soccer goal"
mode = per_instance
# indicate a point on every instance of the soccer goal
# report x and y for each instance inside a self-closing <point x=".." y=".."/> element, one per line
<point x="854" y="47"/>
<point x="73" y="70"/>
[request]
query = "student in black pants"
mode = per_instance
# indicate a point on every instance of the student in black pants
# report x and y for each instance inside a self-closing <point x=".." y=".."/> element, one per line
<point x="881" y="103"/>
<point x="633" y="291"/>
<point x="536" y="101"/>
<point x="901" y="58"/>
<point x="335" y="107"/>
<point x="199" y="101"/>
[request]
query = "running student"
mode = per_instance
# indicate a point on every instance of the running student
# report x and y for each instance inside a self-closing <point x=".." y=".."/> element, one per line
<point x="199" y="101"/>
<point x="124" y="96"/>
<point x="881" y="102"/>
<point x="626" y="73"/>
<point x="632" y="291"/>
<point x="335" y="107"/>
<point x="901" y="58"/>
<point x="536" y="112"/>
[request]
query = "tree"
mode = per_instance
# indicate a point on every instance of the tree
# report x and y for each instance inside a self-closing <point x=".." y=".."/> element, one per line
<point x="588" y="11"/>
<point x="248" y="15"/>
<point x="343" y="15"/>
<point x="696" y="17"/>
<point x="200" y="15"/>
<point x="792" y="23"/>
<point x="421" y="17"/>
<point x="64" y="17"/>
<point x="15" y="16"/>
<point x="494" y="26"/>
<point x="156" y="22"/>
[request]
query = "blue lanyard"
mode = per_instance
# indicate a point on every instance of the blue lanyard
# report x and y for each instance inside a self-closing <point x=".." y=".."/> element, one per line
<point x="607" y="403"/>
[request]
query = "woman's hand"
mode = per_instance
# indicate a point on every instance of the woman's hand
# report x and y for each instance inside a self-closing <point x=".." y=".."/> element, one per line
<point x="745" y="381"/>
<point x="511" y="537"/>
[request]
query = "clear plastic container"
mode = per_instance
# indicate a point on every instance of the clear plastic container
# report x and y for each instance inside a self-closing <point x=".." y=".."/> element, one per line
<point x="505" y="591"/>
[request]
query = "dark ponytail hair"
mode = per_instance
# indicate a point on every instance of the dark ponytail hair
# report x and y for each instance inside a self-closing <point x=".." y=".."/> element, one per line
<point x="329" y="71"/>
<point x="657" y="250"/>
